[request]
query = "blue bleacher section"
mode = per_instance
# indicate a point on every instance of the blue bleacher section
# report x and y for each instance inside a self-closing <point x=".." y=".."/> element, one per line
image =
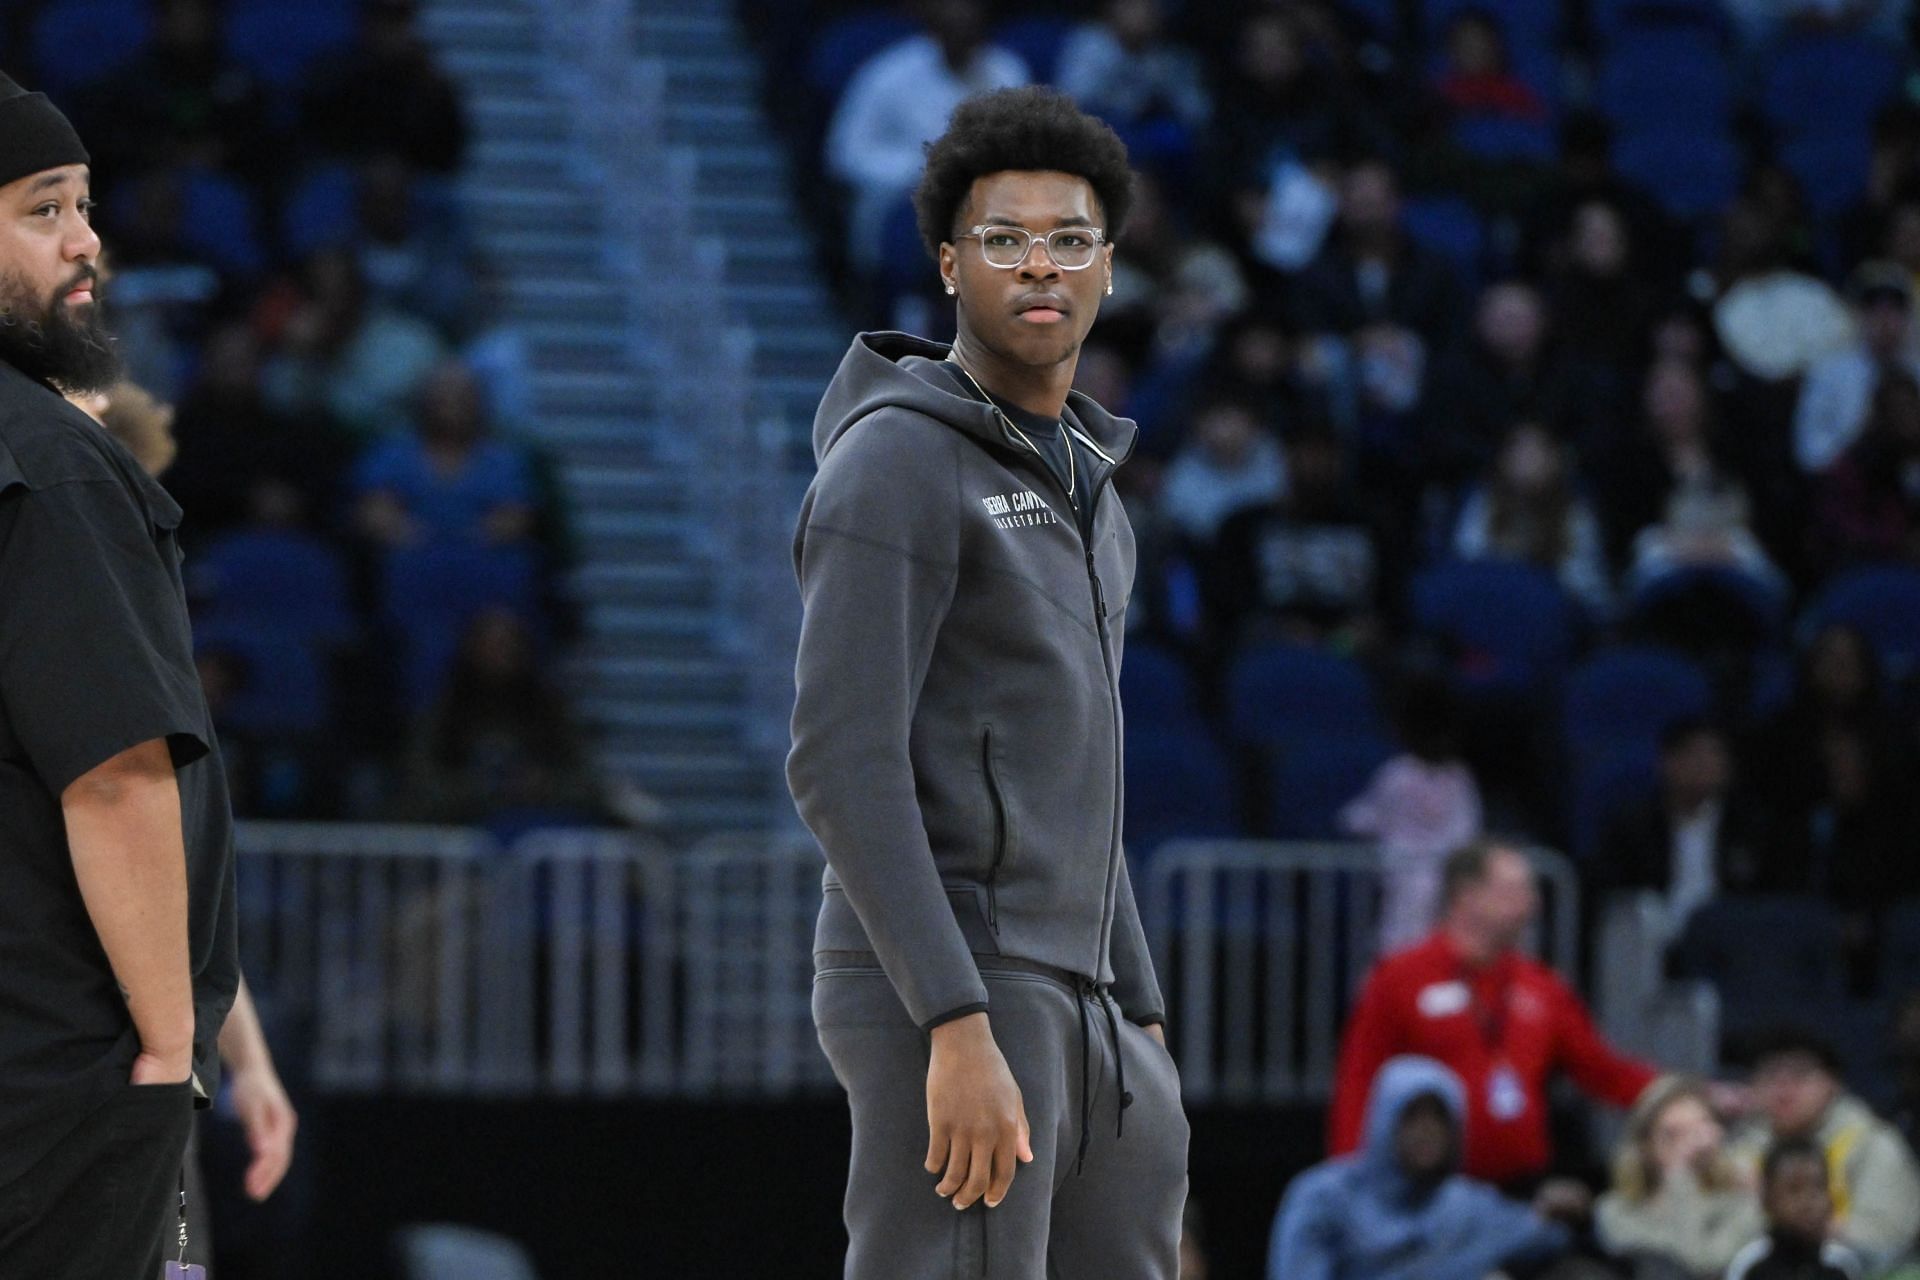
<point x="1509" y="627"/>
<point x="1883" y="604"/>
<point x="1774" y="960"/>
<point x="77" y="43"/>
<point x="278" y="40"/>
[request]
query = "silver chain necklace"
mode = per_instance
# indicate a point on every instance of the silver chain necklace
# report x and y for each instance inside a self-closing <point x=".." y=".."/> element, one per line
<point x="1072" y="469"/>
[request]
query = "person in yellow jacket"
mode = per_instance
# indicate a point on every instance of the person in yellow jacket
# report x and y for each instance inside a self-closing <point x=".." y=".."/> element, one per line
<point x="1798" y="1092"/>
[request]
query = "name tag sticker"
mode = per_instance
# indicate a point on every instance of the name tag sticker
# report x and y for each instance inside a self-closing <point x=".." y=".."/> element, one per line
<point x="1444" y="999"/>
<point x="183" y="1271"/>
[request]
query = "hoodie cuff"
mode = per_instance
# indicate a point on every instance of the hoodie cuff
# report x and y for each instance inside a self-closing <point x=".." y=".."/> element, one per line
<point x="952" y="1015"/>
<point x="1148" y="1019"/>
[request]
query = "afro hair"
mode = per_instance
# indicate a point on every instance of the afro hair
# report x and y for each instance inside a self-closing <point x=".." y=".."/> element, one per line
<point x="1031" y="129"/>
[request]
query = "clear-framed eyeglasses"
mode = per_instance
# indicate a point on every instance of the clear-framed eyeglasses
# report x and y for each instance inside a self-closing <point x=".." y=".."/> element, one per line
<point x="1071" y="248"/>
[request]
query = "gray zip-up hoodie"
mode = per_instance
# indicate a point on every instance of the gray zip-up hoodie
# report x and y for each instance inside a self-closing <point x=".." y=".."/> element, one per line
<point x="956" y="737"/>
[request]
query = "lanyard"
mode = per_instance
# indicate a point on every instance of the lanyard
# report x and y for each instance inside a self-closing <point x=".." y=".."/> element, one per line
<point x="1492" y="1022"/>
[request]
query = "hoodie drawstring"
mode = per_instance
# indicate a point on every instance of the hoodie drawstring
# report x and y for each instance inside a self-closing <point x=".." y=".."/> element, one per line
<point x="1090" y="990"/>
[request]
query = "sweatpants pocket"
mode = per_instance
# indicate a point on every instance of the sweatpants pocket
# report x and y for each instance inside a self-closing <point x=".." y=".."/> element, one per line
<point x="857" y="996"/>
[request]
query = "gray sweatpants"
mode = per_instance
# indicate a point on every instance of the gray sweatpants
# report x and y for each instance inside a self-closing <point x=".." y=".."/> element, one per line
<point x="1115" y="1217"/>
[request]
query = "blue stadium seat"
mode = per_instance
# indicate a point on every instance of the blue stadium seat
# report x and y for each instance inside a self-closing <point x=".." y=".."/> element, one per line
<point x="1883" y="603"/>
<point x="75" y="43"/>
<point x="1498" y="137"/>
<point x="845" y="44"/>
<point x="1692" y="175"/>
<point x="1450" y="226"/>
<point x="1769" y="956"/>
<point x="1310" y="780"/>
<point x="1281" y="693"/>
<point x="1528" y="24"/>
<point x="285" y="686"/>
<point x="1157" y="686"/>
<point x="320" y="211"/>
<point x="1605" y="781"/>
<point x="279" y="39"/>
<point x="1832" y="166"/>
<point x="1830" y="83"/>
<point x="1382" y="17"/>
<point x="1630" y="695"/>
<point x="1900" y="950"/>
<point x="1180" y="784"/>
<point x="1038" y="41"/>
<point x="1667" y="80"/>
<point x="1511" y="626"/>
<point x="1613" y="19"/>
<point x="1764" y="607"/>
<point x="430" y="593"/>
<point x="276" y="578"/>
<point x="219" y="222"/>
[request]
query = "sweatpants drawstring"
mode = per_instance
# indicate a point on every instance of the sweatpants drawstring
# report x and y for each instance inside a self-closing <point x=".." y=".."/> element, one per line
<point x="1094" y="991"/>
<point x="1086" y="1090"/>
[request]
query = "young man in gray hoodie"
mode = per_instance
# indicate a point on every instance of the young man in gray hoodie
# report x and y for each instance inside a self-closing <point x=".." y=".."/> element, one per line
<point x="983" y="988"/>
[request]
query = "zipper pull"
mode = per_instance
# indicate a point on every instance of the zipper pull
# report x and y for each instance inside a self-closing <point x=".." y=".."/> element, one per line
<point x="1099" y="594"/>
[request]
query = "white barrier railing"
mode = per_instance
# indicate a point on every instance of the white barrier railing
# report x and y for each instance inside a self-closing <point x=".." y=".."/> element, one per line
<point x="433" y="959"/>
<point x="1261" y="948"/>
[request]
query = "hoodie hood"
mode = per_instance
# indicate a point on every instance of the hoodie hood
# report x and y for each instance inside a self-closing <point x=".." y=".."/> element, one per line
<point x="1399" y="1082"/>
<point x="898" y="370"/>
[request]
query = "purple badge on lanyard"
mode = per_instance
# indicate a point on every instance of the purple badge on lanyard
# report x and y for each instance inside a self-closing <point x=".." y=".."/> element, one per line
<point x="182" y="1269"/>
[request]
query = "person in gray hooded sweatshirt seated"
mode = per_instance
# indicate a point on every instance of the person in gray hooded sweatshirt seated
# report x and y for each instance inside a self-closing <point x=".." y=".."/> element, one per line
<point x="1396" y="1209"/>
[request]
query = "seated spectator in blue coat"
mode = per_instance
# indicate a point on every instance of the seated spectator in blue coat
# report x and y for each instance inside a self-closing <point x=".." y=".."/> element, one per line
<point x="1396" y="1209"/>
<point x="446" y="482"/>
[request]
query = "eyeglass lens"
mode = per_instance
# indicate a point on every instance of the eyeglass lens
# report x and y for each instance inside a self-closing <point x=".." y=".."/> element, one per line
<point x="1069" y="247"/>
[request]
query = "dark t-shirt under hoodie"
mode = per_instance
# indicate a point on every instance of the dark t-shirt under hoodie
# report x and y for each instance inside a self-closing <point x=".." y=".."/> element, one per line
<point x="956" y="729"/>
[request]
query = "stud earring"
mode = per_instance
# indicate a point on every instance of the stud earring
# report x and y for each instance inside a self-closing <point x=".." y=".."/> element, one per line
<point x="949" y="288"/>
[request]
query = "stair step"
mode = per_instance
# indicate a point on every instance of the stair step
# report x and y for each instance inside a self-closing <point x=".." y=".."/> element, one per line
<point x="517" y="118"/>
<point x="669" y="704"/>
<point x="697" y="818"/>
<point x="644" y="677"/>
<point x="495" y="72"/>
<point x="640" y="488"/>
<point x="696" y="35"/>
<point x="472" y="26"/>
<point x="713" y="769"/>
<point x="590" y="441"/>
<point x="593" y="392"/>
<point x="654" y="586"/>
<point x="699" y="715"/>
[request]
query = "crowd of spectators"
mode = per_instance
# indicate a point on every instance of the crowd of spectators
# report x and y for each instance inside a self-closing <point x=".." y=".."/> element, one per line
<point x="1448" y="371"/>
<point x="371" y="537"/>
<point x="1529" y="405"/>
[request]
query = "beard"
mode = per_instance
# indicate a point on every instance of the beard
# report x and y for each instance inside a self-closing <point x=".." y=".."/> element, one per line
<point x="66" y="346"/>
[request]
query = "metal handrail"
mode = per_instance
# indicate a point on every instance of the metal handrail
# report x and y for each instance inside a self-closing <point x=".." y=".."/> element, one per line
<point x="1261" y="948"/>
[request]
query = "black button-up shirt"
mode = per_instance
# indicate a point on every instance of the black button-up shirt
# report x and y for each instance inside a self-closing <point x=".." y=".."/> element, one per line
<point x="95" y="657"/>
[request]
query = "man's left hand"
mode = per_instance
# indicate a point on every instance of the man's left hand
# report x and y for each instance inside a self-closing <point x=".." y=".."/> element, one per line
<point x="268" y="1116"/>
<point x="1158" y="1031"/>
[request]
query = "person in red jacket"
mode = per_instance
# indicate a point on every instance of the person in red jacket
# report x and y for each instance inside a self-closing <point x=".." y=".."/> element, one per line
<point x="1501" y="1021"/>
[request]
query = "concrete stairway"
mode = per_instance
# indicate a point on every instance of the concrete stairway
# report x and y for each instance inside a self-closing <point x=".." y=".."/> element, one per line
<point x="663" y="694"/>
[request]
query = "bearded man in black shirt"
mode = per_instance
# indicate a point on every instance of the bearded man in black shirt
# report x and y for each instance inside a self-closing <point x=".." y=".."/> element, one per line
<point x="117" y="953"/>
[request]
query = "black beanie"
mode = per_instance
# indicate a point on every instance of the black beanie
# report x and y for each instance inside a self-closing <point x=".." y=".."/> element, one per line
<point x="34" y="136"/>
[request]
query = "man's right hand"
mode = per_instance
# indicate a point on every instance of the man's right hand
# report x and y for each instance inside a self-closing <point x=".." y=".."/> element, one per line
<point x="976" y="1118"/>
<point x="163" y="1068"/>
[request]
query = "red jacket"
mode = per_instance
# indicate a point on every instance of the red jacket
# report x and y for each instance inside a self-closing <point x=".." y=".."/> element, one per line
<point x="1504" y="1030"/>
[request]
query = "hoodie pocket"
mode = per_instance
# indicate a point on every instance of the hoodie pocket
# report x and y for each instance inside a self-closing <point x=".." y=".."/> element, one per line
<point x="996" y="802"/>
